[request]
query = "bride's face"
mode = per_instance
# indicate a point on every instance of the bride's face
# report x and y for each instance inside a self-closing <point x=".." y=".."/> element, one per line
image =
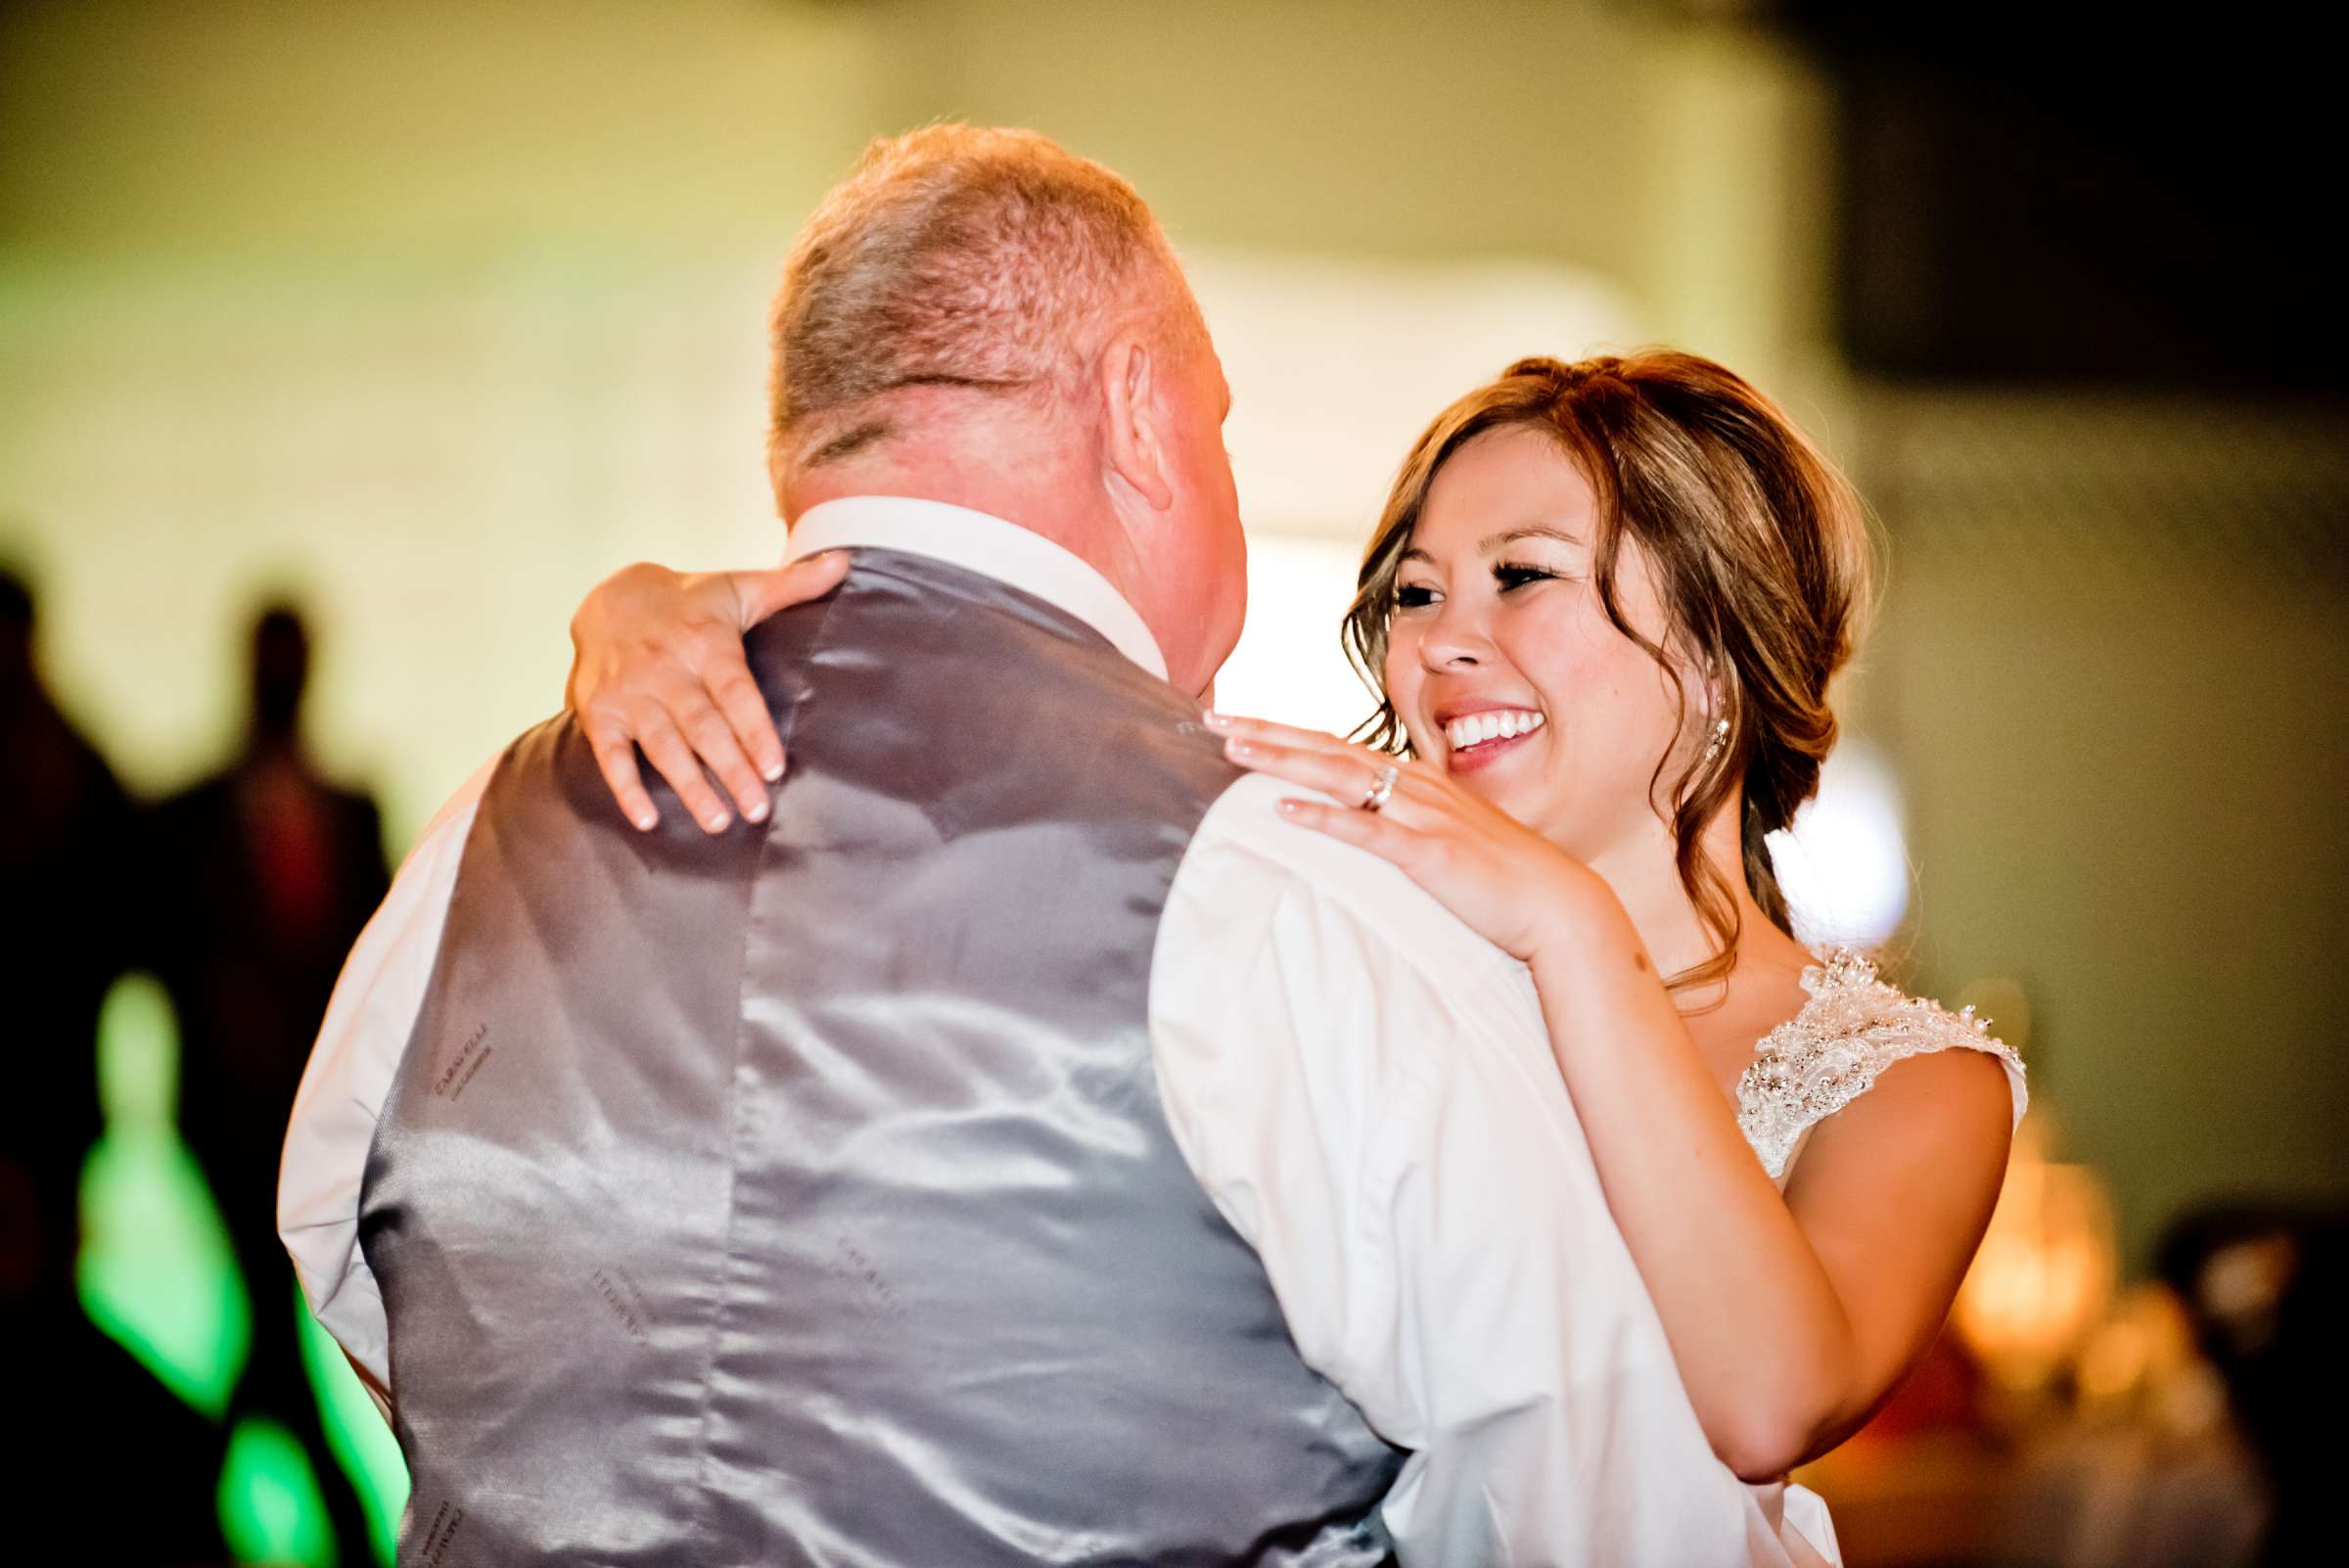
<point x="1502" y="661"/>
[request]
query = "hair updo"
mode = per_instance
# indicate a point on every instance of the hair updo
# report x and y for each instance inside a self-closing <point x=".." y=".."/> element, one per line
<point x="1761" y="558"/>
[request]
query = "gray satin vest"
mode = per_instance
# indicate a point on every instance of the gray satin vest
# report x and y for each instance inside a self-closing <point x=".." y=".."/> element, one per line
<point x="802" y="1194"/>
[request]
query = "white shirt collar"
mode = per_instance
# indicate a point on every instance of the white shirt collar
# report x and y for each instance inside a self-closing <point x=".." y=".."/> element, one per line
<point x="977" y="541"/>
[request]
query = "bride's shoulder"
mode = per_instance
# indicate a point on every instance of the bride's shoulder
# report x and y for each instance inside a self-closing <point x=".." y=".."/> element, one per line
<point x="1852" y="1025"/>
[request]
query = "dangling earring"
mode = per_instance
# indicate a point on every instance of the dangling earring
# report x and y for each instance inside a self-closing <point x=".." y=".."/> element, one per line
<point x="1720" y="741"/>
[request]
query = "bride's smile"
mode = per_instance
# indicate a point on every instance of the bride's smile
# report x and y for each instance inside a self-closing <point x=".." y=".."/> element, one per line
<point x="1474" y="735"/>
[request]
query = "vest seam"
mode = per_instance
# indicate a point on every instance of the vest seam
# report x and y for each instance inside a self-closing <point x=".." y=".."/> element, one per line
<point x="706" y="1524"/>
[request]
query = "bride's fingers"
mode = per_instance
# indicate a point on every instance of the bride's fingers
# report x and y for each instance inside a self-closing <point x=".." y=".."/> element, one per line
<point x="1367" y="830"/>
<point x="1290" y="738"/>
<point x="712" y="735"/>
<point x="1271" y="732"/>
<point x="739" y="699"/>
<point x="616" y="759"/>
<point x="665" y="749"/>
<point x="760" y="594"/>
<point x="727" y="671"/>
<point x="1343" y="774"/>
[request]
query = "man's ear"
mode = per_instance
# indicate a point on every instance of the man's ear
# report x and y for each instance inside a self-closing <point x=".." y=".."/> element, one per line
<point x="1130" y="374"/>
<point x="778" y="478"/>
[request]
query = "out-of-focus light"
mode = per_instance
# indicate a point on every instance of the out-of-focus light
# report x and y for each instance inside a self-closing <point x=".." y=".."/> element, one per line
<point x="270" y="1508"/>
<point x="1844" y="864"/>
<point x="1288" y="665"/>
<point x="155" y="1272"/>
<point x="1337" y="364"/>
<point x="2046" y="1272"/>
<point x="363" y="1446"/>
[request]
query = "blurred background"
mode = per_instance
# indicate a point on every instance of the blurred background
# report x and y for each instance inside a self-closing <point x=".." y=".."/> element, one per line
<point x="341" y="347"/>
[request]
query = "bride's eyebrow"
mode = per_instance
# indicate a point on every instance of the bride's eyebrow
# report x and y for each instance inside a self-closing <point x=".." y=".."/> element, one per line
<point x="1508" y="537"/>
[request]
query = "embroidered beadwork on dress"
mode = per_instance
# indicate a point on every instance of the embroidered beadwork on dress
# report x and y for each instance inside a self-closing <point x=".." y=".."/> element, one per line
<point x="1827" y="1055"/>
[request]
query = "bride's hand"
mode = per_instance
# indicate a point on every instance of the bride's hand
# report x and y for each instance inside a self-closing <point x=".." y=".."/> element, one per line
<point x="657" y="663"/>
<point x="1504" y="881"/>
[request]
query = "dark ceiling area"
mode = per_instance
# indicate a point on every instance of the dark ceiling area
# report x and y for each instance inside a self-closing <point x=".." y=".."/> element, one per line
<point x="2035" y="195"/>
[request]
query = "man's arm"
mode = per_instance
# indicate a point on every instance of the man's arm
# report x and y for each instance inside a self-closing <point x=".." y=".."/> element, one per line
<point x="1366" y="1091"/>
<point x="359" y="1047"/>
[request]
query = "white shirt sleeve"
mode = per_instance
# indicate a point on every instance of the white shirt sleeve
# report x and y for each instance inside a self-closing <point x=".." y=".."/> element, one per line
<point x="1366" y="1091"/>
<point x="374" y="1011"/>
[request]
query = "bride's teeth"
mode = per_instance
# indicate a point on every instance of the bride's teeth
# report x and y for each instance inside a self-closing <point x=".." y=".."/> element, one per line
<point x="1492" y="724"/>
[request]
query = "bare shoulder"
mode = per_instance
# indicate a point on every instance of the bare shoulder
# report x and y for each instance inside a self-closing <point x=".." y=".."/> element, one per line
<point x="1948" y="1106"/>
<point x="1863" y="1063"/>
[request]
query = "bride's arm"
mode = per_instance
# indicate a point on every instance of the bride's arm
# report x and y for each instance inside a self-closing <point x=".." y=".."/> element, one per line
<point x="1789" y="1318"/>
<point x="657" y="663"/>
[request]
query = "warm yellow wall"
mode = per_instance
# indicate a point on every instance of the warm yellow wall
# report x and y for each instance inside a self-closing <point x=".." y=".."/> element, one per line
<point x="1683" y="161"/>
<point x="379" y="127"/>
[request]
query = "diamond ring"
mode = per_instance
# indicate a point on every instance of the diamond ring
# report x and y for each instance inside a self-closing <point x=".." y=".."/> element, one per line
<point x="1382" y="788"/>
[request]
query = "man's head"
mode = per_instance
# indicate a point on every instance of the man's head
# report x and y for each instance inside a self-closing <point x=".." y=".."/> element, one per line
<point x="975" y="315"/>
<point x="281" y="671"/>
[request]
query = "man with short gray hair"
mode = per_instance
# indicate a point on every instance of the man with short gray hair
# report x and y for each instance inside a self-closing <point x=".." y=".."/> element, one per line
<point x="956" y="257"/>
<point x="1013" y="1143"/>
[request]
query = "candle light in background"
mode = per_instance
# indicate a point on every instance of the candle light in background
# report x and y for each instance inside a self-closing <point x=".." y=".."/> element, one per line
<point x="2045" y="1275"/>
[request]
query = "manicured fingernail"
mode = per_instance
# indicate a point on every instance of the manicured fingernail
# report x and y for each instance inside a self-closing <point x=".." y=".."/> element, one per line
<point x="720" y="822"/>
<point x="756" y="811"/>
<point x="772" y="771"/>
<point x="1219" y="722"/>
<point x="647" y="822"/>
<point x="1240" y="747"/>
<point x="1291" y="808"/>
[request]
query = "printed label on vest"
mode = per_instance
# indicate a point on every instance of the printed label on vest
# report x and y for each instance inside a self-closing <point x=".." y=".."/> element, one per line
<point x="461" y="1068"/>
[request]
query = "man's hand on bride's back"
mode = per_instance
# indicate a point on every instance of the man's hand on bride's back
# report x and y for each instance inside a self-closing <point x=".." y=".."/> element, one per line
<point x="657" y="663"/>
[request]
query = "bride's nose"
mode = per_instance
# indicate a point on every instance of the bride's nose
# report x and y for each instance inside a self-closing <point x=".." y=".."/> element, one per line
<point x="1455" y="640"/>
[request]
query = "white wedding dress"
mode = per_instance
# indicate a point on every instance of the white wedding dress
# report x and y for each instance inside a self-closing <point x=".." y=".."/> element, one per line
<point x="1853" y="1027"/>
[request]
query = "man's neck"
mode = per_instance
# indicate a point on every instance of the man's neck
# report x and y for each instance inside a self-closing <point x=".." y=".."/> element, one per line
<point x="1053" y="499"/>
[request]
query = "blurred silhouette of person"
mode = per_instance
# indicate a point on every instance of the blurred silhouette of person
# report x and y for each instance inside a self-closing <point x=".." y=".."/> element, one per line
<point x="87" y="1428"/>
<point x="2268" y="1289"/>
<point x="271" y="873"/>
<point x="64" y="830"/>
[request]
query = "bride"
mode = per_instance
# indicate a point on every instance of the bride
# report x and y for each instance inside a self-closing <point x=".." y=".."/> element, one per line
<point x="1601" y="613"/>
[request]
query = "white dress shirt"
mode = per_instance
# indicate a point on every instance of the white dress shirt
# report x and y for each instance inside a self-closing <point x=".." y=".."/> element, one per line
<point x="1365" y="1089"/>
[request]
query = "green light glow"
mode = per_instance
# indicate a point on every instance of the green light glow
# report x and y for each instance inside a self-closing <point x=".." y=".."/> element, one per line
<point x="270" y="1508"/>
<point x="363" y="1444"/>
<point x="156" y="1274"/>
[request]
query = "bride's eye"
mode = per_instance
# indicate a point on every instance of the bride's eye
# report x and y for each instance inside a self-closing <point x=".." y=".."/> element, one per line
<point x="1413" y="596"/>
<point x="1517" y="576"/>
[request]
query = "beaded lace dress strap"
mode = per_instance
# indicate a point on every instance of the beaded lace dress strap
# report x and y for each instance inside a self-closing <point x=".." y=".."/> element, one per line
<point x="1830" y="1053"/>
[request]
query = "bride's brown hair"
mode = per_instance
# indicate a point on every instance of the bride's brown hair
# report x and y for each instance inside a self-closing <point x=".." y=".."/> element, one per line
<point x="1762" y="561"/>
